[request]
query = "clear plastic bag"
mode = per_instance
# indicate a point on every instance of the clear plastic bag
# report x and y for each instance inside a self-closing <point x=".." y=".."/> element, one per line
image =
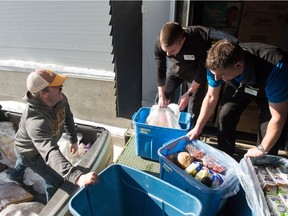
<point x="64" y="146"/>
<point x="230" y="186"/>
<point x="33" y="179"/>
<point x="20" y="209"/>
<point x="7" y="134"/>
<point x="164" y="117"/>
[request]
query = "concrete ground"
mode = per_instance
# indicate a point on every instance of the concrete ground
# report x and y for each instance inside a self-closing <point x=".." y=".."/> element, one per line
<point x="117" y="152"/>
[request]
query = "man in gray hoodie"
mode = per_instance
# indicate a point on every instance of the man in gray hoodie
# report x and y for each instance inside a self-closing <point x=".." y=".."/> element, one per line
<point x="46" y="116"/>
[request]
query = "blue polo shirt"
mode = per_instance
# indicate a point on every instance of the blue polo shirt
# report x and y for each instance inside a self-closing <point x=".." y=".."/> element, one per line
<point x="277" y="83"/>
<point x="276" y="86"/>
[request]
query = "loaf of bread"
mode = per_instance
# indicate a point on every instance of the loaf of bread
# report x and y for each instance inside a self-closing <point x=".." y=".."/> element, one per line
<point x="184" y="159"/>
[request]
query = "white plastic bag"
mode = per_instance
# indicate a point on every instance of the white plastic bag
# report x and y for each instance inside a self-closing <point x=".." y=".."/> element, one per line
<point x="164" y="117"/>
<point x="64" y="146"/>
<point x="33" y="179"/>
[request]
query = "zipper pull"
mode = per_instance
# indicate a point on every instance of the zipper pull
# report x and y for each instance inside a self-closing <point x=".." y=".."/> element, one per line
<point x="235" y="92"/>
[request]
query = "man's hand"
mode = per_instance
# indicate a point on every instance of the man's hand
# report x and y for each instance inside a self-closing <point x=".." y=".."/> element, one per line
<point x="194" y="133"/>
<point x="254" y="152"/>
<point x="87" y="179"/>
<point x="163" y="101"/>
<point x="73" y="148"/>
<point x="183" y="101"/>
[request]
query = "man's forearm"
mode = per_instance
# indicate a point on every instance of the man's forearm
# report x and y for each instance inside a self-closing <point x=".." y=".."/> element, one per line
<point x="273" y="133"/>
<point x="208" y="106"/>
<point x="207" y="109"/>
<point x="275" y="125"/>
<point x="193" y="87"/>
<point x="161" y="90"/>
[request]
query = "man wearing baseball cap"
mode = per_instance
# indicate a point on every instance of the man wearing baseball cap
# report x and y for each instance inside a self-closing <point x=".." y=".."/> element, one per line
<point x="46" y="116"/>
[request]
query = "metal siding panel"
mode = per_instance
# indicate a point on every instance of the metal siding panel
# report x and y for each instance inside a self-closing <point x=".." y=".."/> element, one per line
<point x="69" y="33"/>
<point x="81" y="59"/>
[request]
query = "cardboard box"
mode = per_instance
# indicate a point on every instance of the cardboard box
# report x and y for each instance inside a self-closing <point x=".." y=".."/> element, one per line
<point x="249" y="120"/>
<point x="266" y="6"/>
<point x="12" y="193"/>
<point x="222" y="15"/>
<point x="265" y="27"/>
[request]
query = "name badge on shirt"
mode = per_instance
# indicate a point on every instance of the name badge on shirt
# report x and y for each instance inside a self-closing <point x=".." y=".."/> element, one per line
<point x="189" y="57"/>
<point x="250" y="91"/>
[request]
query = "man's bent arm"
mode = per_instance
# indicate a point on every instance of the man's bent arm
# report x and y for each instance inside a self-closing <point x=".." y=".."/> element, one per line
<point x="207" y="109"/>
<point x="275" y="126"/>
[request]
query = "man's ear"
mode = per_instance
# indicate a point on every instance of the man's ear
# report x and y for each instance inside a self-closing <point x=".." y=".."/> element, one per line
<point x="183" y="40"/>
<point x="239" y="65"/>
<point x="42" y="94"/>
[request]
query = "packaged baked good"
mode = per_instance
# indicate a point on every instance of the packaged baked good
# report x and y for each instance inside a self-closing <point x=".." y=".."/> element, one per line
<point x="184" y="159"/>
<point x="284" y="199"/>
<point x="267" y="183"/>
<point x="213" y="164"/>
<point x="276" y="206"/>
<point x="278" y="178"/>
<point x="196" y="153"/>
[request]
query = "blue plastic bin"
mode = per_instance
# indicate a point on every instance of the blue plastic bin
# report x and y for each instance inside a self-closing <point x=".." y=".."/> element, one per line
<point x="237" y="205"/>
<point x="124" y="191"/>
<point x="149" y="138"/>
<point x="212" y="199"/>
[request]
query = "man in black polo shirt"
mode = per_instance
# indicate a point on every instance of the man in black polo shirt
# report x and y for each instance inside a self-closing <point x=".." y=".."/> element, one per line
<point x="187" y="51"/>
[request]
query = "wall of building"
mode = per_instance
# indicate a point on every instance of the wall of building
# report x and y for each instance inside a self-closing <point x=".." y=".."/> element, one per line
<point x="67" y="37"/>
<point x="67" y="33"/>
<point x="154" y="14"/>
<point x="90" y="99"/>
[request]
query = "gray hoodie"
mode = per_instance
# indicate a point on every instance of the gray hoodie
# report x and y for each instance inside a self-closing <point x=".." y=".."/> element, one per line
<point x="40" y="129"/>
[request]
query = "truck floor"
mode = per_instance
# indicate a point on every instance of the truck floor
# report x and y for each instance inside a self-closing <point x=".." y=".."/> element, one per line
<point x="128" y="157"/>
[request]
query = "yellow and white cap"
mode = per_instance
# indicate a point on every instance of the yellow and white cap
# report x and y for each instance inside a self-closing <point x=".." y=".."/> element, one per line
<point x="41" y="78"/>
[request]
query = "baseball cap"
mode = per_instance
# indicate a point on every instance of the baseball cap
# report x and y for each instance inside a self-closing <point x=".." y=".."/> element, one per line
<point x="41" y="78"/>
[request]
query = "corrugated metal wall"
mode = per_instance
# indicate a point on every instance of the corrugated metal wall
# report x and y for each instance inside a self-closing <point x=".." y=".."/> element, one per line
<point x="68" y="33"/>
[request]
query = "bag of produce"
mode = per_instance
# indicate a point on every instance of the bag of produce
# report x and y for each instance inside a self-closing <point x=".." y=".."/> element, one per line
<point x="164" y="117"/>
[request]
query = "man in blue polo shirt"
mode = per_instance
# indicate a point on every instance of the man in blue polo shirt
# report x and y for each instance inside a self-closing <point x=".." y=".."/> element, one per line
<point x="254" y="72"/>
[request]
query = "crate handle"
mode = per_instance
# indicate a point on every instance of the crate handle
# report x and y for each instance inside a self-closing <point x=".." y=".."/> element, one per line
<point x="134" y="115"/>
